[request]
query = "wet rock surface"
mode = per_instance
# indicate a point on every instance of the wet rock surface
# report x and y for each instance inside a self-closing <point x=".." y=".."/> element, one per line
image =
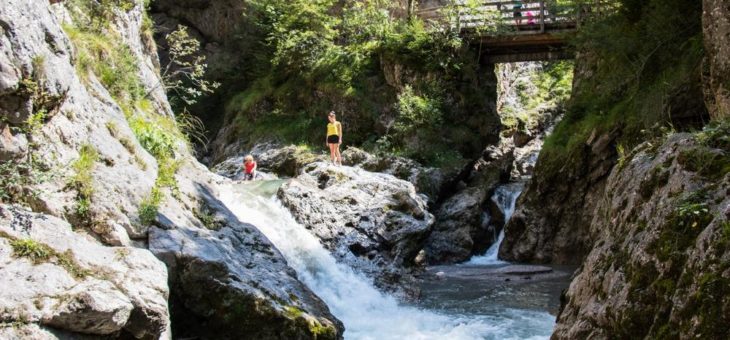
<point x="373" y="222"/>
<point x="553" y="215"/>
<point x="271" y="158"/>
<point x="468" y="220"/>
<point x="226" y="278"/>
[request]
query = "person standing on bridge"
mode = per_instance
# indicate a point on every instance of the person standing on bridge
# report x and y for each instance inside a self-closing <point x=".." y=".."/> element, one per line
<point x="334" y="138"/>
<point x="517" y="8"/>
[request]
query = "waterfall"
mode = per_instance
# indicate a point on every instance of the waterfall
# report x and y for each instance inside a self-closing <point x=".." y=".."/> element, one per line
<point x="505" y="196"/>
<point x="351" y="297"/>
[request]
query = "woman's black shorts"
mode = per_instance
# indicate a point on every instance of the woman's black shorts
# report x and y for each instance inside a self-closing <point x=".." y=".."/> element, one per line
<point x="333" y="139"/>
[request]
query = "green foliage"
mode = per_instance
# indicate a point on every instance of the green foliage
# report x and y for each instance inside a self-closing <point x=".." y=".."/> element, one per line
<point x="149" y="206"/>
<point x="83" y="167"/>
<point x="97" y="14"/>
<point x="711" y="158"/>
<point x="416" y="112"/>
<point x="716" y="135"/>
<point x="112" y="62"/>
<point x="318" y="329"/>
<point x="28" y="248"/>
<point x="547" y="85"/>
<point x="713" y="164"/>
<point x="184" y="77"/>
<point x="637" y="66"/>
<point x="690" y="217"/>
<point x="293" y="312"/>
<point x="623" y="156"/>
<point x="304" y="58"/>
<point x="166" y="174"/>
<point x="207" y="218"/>
<point x="82" y="180"/>
<point x="708" y="306"/>
<point x="38" y="253"/>
<point x="149" y="131"/>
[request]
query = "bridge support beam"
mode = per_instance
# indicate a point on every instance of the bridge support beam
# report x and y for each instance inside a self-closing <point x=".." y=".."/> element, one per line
<point x="514" y="57"/>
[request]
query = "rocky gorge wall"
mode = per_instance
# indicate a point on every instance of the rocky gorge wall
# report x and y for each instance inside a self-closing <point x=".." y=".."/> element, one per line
<point x="659" y="264"/>
<point x="648" y="224"/>
<point x="97" y="236"/>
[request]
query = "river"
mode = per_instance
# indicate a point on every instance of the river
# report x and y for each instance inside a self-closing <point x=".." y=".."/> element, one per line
<point x="444" y="312"/>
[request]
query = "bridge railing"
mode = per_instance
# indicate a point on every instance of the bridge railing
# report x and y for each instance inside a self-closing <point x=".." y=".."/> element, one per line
<point x="515" y="17"/>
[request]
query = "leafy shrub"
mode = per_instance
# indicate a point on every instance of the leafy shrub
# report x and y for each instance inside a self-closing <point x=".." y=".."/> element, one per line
<point x="184" y="76"/>
<point x="83" y="167"/>
<point x="157" y="141"/>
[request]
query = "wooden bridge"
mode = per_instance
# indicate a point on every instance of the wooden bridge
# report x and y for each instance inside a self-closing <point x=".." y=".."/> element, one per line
<point x="511" y="31"/>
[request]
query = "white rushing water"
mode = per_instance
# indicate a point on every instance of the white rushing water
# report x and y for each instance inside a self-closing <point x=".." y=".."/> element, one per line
<point x="351" y="297"/>
<point x="505" y="196"/>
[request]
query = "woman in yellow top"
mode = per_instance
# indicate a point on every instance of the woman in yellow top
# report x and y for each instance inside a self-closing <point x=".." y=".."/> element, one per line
<point x="334" y="138"/>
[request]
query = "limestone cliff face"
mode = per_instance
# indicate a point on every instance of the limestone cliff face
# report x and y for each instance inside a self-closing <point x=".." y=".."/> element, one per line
<point x="72" y="268"/>
<point x="79" y="283"/>
<point x="660" y="264"/>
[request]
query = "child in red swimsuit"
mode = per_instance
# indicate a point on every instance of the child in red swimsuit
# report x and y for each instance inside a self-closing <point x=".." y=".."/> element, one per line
<point x="249" y="168"/>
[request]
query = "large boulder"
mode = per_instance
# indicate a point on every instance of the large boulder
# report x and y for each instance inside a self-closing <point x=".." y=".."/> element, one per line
<point x="554" y="213"/>
<point x="660" y="265"/>
<point x="428" y="181"/>
<point x="54" y="277"/>
<point x="464" y="225"/>
<point x="374" y="222"/>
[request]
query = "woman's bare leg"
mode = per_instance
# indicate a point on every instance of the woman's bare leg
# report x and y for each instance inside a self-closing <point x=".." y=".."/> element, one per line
<point x="337" y="154"/>
<point x="333" y="155"/>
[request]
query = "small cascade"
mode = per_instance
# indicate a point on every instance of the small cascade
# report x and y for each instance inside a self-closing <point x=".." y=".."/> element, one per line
<point x="366" y="312"/>
<point x="505" y="196"/>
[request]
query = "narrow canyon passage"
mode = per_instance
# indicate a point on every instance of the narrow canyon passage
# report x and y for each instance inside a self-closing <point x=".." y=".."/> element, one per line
<point x="508" y="170"/>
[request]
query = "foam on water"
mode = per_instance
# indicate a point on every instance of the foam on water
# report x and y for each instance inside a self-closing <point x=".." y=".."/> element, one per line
<point x="351" y="297"/>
